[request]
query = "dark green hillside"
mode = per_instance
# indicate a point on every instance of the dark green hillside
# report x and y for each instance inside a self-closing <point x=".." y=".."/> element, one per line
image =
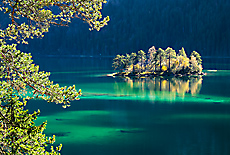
<point x="137" y="24"/>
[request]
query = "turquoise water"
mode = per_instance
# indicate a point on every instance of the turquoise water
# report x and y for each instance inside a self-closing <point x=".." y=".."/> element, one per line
<point x="143" y="116"/>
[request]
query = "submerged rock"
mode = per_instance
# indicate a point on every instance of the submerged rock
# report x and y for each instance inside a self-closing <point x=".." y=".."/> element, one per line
<point x="216" y="102"/>
<point x="131" y="131"/>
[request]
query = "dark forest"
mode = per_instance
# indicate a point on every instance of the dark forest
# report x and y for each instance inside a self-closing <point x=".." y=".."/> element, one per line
<point x="195" y="25"/>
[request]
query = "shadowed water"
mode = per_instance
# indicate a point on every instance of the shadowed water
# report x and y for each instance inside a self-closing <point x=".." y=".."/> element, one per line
<point x="162" y="116"/>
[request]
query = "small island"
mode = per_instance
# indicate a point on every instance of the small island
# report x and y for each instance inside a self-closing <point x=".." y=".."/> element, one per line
<point x="158" y="63"/>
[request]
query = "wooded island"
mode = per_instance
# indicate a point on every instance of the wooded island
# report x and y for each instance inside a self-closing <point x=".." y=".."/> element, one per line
<point x="158" y="63"/>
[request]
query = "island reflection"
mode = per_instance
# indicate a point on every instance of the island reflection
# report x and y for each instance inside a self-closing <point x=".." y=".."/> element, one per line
<point x="158" y="87"/>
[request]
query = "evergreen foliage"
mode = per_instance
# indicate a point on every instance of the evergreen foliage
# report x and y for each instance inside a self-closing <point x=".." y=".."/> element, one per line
<point x="201" y="25"/>
<point x="20" y="78"/>
<point x="171" y="56"/>
<point x="141" y="58"/>
<point x="159" y="63"/>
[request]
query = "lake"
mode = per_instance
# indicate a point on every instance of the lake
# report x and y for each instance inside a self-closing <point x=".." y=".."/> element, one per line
<point x="161" y="116"/>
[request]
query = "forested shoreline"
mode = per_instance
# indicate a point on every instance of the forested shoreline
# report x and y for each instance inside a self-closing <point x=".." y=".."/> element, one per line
<point x="197" y="25"/>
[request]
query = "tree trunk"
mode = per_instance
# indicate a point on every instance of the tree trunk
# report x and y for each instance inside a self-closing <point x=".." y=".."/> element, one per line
<point x="160" y="63"/>
<point x="169" y="63"/>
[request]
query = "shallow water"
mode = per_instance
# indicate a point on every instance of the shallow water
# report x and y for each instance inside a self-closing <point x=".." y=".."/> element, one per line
<point x="132" y="117"/>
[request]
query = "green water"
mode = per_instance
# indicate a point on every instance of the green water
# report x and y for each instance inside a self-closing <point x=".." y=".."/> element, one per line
<point x="132" y="117"/>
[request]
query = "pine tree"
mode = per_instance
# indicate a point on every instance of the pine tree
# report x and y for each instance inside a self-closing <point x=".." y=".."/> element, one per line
<point x="183" y="60"/>
<point x="19" y="75"/>
<point x="197" y="56"/>
<point x="117" y="62"/>
<point x="151" y="56"/>
<point x="127" y="61"/>
<point x="160" y="56"/>
<point x="141" y="57"/>
<point x="120" y="62"/>
<point x="182" y="52"/>
<point x="170" y="54"/>
<point x="133" y="59"/>
<point x="196" y="62"/>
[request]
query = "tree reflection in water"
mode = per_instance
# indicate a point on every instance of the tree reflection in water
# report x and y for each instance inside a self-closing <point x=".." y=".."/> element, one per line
<point x="159" y="87"/>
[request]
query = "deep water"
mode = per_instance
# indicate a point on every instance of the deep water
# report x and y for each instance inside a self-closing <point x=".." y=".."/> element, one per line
<point x="132" y="117"/>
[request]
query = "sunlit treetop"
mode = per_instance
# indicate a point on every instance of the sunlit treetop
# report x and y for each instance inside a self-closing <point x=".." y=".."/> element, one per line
<point x="31" y="18"/>
<point x="182" y="52"/>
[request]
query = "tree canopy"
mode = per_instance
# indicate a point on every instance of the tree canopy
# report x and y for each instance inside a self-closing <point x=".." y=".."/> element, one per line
<point x="159" y="63"/>
<point x="32" y="18"/>
<point x="21" y="79"/>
